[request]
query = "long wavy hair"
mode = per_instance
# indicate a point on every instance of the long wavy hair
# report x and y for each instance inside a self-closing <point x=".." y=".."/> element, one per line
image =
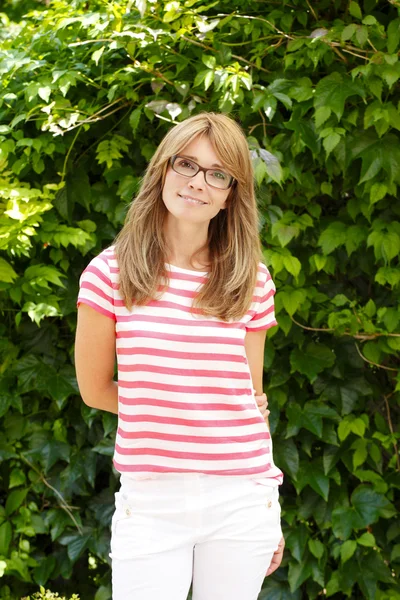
<point x="233" y="240"/>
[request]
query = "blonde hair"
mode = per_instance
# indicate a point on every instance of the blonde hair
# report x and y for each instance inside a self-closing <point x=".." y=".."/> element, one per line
<point x="233" y="240"/>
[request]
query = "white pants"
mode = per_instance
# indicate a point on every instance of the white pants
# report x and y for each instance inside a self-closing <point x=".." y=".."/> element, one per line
<point x="216" y="532"/>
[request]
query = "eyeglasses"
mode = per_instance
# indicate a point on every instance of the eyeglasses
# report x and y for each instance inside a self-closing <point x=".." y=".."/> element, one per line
<point x="214" y="177"/>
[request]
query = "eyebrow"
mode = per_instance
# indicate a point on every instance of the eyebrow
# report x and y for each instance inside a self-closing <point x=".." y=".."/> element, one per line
<point x="196" y="159"/>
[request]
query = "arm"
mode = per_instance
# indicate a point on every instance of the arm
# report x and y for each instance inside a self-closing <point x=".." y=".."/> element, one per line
<point x="254" y="346"/>
<point x="95" y="358"/>
<point x="254" y="343"/>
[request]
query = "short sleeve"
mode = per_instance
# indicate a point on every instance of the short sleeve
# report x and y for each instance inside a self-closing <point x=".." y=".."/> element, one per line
<point x="95" y="286"/>
<point x="264" y="316"/>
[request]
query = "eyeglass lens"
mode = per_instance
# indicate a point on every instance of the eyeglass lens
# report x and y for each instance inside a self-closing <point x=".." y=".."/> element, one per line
<point x="214" y="177"/>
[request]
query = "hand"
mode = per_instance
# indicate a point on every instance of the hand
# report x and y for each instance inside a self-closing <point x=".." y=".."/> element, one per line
<point x="262" y="402"/>
<point x="277" y="557"/>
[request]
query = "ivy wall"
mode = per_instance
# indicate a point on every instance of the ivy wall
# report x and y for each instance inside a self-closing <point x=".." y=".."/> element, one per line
<point x="87" y="90"/>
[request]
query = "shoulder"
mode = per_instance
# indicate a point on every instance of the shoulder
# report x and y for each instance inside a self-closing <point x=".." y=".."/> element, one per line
<point x="106" y="256"/>
<point x="263" y="272"/>
<point x="102" y="262"/>
<point x="264" y="276"/>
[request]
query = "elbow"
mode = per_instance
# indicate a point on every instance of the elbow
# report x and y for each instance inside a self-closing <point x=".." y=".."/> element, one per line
<point x="86" y="397"/>
<point x="99" y="395"/>
<point x="87" y="401"/>
<point x="87" y="393"/>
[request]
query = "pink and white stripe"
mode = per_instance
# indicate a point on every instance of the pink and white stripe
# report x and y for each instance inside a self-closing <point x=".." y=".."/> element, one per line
<point x="186" y="402"/>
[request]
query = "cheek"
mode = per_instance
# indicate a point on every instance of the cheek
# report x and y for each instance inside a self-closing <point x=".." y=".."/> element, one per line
<point x="170" y="182"/>
<point x="222" y="201"/>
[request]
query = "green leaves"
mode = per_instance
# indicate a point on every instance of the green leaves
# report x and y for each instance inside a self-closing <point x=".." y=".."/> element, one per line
<point x="366" y="507"/>
<point x="82" y="110"/>
<point x="266" y="165"/>
<point x="369" y="505"/>
<point x="61" y="385"/>
<point x="348" y="32"/>
<point x="75" y="543"/>
<point x="317" y="480"/>
<point x="17" y="478"/>
<point x="347" y="550"/>
<point x="333" y="90"/>
<point x="134" y="119"/>
<point x="313" y="414"/>
<point x="209" y="61"/>
<point x="292" y="299"/>
<point x="97" y="54"/>
<point x="332" y="237"/>
<point x="378" y="191"/>
<point x="378" y="154"/>
<point x="14" y="500"/>
<point x="388" y="275"/>
<point x="39" y="276"/>
<point x="5" y="537"/>
<point x="290" y="226"/>
<point x="367" y="539"/>
<point x="7" y="273"/>
<point x="110" y="150"/>
<point x="331" y="140"/>
<point x="349" y="424"/>
<point x="287" y="456"/>
<point x="44" y="570"/>
<point x="361" y="451"/>
<point x="355" y="10"/>
<point x="316" y="548"/>
<point x="321" y="115"/>
<point x="393" y="35"/>
<point x="311" y="360"/>
<point x="386" y="241"/>
<point x="33" y="373"/>
<point x="298" y="573"/>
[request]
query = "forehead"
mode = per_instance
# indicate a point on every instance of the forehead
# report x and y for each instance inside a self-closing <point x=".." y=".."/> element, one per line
<point x="202" y="151"/>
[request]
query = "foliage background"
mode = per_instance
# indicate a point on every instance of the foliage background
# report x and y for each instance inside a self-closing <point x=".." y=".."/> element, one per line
<point x="88" y="88"/>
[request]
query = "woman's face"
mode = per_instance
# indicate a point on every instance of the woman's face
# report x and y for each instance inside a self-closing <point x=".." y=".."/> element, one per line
<point x="191" y="198"/>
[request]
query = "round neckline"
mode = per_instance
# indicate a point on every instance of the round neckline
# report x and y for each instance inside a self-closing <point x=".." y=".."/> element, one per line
<point x="191" y="271"/>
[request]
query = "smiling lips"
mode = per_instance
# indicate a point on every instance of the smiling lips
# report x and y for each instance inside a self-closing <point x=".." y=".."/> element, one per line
<point x="193" y="201"/>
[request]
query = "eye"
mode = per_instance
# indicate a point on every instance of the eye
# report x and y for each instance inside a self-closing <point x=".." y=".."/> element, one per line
<point x="186" y="164"/>
<point x="220" y="175"/>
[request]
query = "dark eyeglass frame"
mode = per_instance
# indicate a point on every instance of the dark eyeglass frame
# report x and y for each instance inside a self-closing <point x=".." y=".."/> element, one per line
<point x="199" y="168"/>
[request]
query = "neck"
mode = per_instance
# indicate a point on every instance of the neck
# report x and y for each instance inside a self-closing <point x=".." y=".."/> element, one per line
<point x="183" y="241"/>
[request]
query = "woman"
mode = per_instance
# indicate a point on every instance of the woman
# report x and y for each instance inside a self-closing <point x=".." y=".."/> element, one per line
<point x="184" y="301"/>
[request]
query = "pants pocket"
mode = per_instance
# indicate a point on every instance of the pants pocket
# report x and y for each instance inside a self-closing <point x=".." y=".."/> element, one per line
<point x="272" y="511"/>
<point x="124" y="511"/>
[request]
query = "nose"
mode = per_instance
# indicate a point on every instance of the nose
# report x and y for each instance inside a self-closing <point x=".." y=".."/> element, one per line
<point x="198" y="180"/>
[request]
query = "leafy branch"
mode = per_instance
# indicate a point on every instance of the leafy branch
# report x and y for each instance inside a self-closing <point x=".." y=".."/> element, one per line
<point x="357" y="336"/>
<point x="61" y="500"/>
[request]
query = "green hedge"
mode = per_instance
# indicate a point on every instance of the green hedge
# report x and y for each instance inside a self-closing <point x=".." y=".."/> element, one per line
<point x="88" y="88"/>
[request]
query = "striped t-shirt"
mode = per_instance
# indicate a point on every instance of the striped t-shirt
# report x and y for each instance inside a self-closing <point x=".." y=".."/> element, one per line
<point x="185" y="395"/>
